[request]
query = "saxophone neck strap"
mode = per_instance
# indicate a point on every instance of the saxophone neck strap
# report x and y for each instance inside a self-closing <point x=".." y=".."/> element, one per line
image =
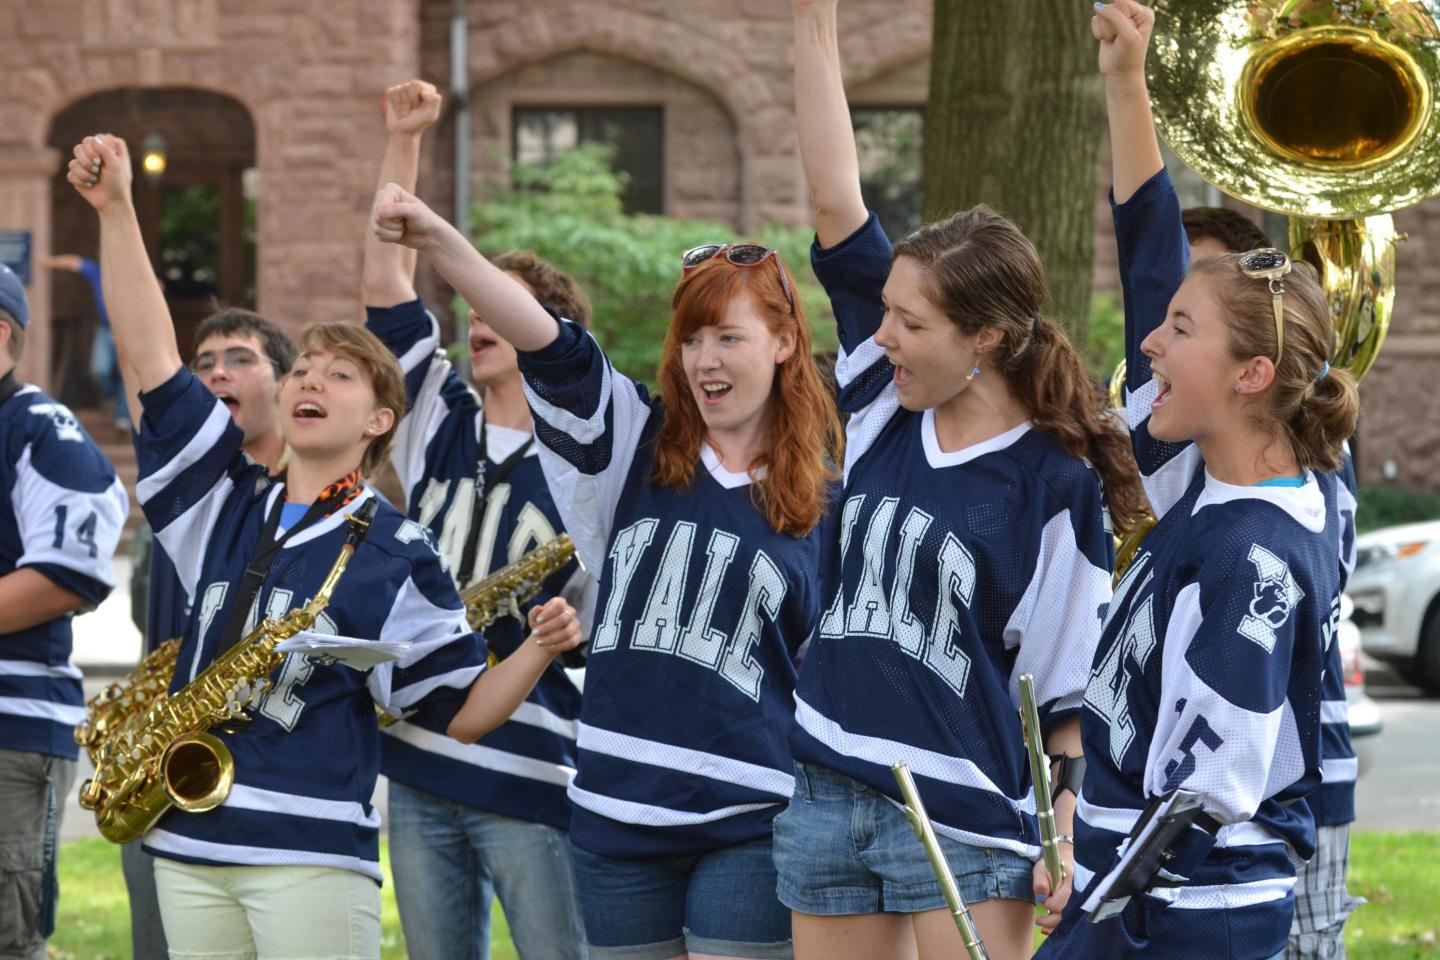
<point x="332" y="498"/>
<point x="487" y="480"/>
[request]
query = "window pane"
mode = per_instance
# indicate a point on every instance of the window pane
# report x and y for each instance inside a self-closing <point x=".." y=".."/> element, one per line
<point x="542" y="135"/>
<point x="636" y="133"/>
<point x="890" y="144"/>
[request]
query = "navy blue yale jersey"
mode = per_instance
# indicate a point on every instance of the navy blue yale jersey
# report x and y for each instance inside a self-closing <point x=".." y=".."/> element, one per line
<point x="61" y="510"/>
<point x="701" y="612"/>
<point x="306" y="766"/>
<point x="1154" y="258"/>
<point x="523" y="768"/>
<point x="1334" y="802"/>
<point x="1208" y="673"/>
<point x="951" y="574"/>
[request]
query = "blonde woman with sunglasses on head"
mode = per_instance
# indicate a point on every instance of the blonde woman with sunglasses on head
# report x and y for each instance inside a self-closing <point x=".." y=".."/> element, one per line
<point x="700" y="511"/>
<point x="1208" y="676"/>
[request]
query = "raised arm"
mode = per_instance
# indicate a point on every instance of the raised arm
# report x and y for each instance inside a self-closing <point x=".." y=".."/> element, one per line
<point x="139" y="317"/>
<point x="509" y="309"/>
<point x="387" y="276"/>
<point x="822" y="117"/>
<point x="1123" y="29"/>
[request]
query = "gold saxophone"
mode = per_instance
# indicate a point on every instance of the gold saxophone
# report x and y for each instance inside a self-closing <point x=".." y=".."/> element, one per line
<point x="166" y="756"/>
<point x="115" y="706"/>
<point x="504" y="590"/>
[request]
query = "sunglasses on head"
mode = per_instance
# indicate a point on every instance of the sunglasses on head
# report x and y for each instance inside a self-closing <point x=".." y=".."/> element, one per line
<point x="740" y="254"/>
<point x="1270" y="265"/>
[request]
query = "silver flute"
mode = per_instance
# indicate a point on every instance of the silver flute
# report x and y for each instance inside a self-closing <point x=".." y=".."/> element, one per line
<point x="1040" y="777"/>
<point x="925" y="833"/>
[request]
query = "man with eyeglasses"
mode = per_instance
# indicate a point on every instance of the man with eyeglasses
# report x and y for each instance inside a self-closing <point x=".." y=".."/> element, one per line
<point x="241" y="358"/>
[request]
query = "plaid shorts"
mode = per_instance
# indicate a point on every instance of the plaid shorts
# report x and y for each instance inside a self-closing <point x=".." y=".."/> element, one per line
<point x="1321" y="901"/>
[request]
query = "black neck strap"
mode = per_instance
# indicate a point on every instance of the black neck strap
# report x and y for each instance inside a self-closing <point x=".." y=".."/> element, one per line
<point x="267" y="550"/>
<point x="485" y="481"/>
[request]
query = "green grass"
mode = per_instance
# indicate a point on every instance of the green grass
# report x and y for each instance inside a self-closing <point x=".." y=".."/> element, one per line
<point x="94" y="920"/>
<point x="1398" y="873"/>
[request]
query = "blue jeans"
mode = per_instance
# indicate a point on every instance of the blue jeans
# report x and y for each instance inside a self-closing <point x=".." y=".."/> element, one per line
<point x="844" y="848"/>
<point x="449" y="860"/>
<point x="721" y="903"/>
<point x="105" y="368"/>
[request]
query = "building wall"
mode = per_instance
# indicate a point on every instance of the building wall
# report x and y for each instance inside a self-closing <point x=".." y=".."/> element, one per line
<point x="310" y="76"/>
<point x="305" y="72"/>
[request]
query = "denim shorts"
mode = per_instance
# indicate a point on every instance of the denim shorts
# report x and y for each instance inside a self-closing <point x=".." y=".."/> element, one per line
<point x="721" y="903"/>
<point x="844" y="848"/>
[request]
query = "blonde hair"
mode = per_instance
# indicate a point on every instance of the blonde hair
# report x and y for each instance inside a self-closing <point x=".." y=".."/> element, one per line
<point x="363" y="348"/>
<point x="1312" y="405"/>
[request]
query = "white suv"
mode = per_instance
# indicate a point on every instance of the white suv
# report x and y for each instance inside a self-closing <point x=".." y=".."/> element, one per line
<point x="1396" y="592"/>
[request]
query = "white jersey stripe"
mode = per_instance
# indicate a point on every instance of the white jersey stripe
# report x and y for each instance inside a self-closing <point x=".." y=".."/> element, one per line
<point x="481" y="756"/>
<point x="29" y="668"/>
<point x="1339" y="769"/>
<point x="1025" y="850"/>
<point x="1247" y="833"/>
<point x="1225" y="896"/>
<point x="585" y="430"/>
<point x="647" y="815"/>
<point x="199" y="445"/>
<point x="1335" y="711"/>
<point x="534" y="715"/>
<point x="43" y="709"/>
<point x="407" y="696"/>
<point x="167" y="842"/>
<point x="291" y="805"/>
<point x="690" y="762"/>
<point x="925" y="763"/>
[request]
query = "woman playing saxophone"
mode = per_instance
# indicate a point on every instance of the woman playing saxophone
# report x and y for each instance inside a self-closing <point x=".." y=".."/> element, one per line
<point x="289" y="861"/>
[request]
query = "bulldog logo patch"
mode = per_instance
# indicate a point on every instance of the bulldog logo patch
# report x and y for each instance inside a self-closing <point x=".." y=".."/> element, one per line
<point x="1276" y="594"/>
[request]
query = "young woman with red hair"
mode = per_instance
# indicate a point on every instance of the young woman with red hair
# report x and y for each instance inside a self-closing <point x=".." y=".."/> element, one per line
<point x="701" y="509"/>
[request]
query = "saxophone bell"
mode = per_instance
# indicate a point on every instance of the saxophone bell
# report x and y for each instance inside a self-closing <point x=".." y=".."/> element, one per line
<point x="198" y="771"/>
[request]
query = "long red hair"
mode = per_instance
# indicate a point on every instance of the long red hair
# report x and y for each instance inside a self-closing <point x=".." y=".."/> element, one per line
<point x="805" y="441"/>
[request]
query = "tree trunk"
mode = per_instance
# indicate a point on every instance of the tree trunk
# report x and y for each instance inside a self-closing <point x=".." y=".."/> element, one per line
<point x="1014" y="118"/>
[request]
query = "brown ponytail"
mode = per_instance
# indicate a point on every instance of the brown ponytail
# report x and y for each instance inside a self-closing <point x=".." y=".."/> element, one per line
<point x="1051" y="379"/>
<point x="1313" y="406"/>
<point x="982" y="271"/>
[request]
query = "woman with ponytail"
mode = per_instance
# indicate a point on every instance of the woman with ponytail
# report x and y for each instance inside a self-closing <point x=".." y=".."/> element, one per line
<point x="1208" y="676"/>
<point x="972" y="546"/>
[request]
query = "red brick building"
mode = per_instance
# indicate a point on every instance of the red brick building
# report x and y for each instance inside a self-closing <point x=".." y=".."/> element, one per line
<point x="270" y="106"/>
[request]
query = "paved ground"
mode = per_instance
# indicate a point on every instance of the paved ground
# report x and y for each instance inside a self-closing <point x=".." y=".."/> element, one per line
<point x="1399" y="787"/>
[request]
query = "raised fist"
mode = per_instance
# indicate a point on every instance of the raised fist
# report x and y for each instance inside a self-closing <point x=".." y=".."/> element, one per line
<point x="100" y="171"/>
<point x="1123" y="29"/>
<point x="399" y="217"/>
<point x="411" y="107"/>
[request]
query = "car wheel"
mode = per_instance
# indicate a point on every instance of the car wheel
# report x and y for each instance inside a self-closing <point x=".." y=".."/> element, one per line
<point x="1427" y="658"/>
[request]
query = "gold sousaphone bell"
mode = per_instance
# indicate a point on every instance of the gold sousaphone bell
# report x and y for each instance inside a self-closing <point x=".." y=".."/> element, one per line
<point x="1321" y="110"/>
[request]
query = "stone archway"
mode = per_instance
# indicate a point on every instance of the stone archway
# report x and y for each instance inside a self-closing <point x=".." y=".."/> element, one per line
<point x="194" y="216"/>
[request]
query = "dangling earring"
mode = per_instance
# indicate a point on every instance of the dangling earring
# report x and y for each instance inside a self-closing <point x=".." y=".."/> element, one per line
<point x="973" y="373"/>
